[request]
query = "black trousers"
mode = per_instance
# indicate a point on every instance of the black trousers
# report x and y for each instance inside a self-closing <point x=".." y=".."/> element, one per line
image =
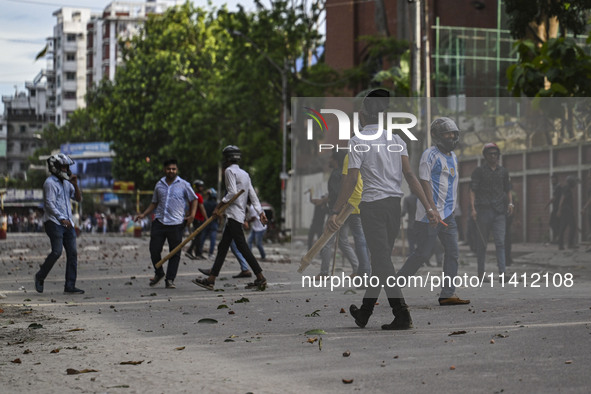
<point x="158" y="235"/>
<point x="381" y="222"/>
<point x="233" y="231"/>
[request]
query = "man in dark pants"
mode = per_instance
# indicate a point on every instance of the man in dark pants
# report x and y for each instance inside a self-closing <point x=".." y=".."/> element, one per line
<point x="170" y="196"/>
<point x="58" y="190"/>
<point x="566" y="213"/>
<point x="490" y="201"/>
<point x="195" y="249"/>
<point x="381" y="171"/>
<point x="236" y="179"/>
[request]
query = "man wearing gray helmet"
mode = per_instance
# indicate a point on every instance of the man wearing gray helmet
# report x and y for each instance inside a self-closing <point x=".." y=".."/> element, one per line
<point x="438" y="174"/>
<point x="58" y="190"/>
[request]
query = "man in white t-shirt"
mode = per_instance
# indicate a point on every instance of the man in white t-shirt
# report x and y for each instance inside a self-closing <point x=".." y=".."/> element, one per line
<point x="381" y="171"/>
<point x="438" y="174"/>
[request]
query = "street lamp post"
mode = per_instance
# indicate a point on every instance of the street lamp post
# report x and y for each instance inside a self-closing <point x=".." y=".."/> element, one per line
<point x="283" y="176"/>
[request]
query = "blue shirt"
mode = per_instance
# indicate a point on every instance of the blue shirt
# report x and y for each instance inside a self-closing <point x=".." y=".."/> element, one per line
<point x="170" y="200"/>
<point x="441" y="171"/>
<point x="57" y="195"/>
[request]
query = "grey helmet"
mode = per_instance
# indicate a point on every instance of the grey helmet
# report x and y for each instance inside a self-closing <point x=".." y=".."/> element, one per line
<point x="54" y="162"/>
<point x="441" y="126"/>
<point x="231" y="154"/>
<point x="198" y="183"/>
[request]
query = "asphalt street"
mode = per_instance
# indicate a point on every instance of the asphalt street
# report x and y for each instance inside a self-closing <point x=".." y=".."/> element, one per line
<point x="122" y="336"/>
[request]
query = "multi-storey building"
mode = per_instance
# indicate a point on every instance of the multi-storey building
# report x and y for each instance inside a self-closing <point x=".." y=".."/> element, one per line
<point x="119" y="20"/>
<point x="25" y="115"/>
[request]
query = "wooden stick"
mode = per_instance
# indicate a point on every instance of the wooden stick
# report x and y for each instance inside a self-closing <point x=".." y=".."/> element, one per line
<point x="334" y="255"/>
<point x="221" y="210"/>
<point x="319" y="244"/>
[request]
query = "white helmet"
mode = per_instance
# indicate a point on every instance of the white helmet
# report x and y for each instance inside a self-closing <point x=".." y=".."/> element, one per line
<point x="54" y="163"/>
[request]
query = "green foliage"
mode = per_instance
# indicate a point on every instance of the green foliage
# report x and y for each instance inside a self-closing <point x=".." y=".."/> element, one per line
<point x="572" y="14"/>
<point x="561" y="61"/>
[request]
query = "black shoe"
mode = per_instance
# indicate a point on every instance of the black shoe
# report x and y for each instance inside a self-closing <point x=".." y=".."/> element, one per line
<point x="156" y="279"/>
<point x="402" y="321"/>
<point x="199" y="257"/>
<point x="361" y="316"/>
<point x="38" y="284"/>
<point x="169" y="284"/>
<point x="205" y="271"/>
<point x="243" y="274"/>
<point x="190" y="255"/>
<point x="74" y="290"/>
<point x="203" y="282"/>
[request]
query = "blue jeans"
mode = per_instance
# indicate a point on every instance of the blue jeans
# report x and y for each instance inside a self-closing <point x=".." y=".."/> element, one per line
<point x="210" y="232"/>
<point x="257" y="237"/>
<point x="354" y="222"/>
<point x="426" y="241"/>
<point x="327" y="252"/>
<point x="158" y="235"/>
<point x="239" y="256"/>
<point x="61" y="236"/>
<point x="488" y="220"/>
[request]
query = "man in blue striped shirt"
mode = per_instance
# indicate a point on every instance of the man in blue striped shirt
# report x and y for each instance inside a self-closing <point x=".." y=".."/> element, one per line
<point x="438" y="174"/>
<point x="169" y="200"/>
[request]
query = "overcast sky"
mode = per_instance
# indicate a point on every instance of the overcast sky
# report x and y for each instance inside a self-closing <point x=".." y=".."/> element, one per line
<point x="25" y="25"/>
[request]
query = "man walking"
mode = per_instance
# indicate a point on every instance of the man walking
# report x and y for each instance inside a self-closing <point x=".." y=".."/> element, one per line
<point x="381" y="171"/>
<point x="490" y="202"/>
<point x="58" y="190"/>
<point x="438" y="174"/>
<point x="195" y="249"/>
<point x="168" y="201"/>
<point x="236" y="179"/>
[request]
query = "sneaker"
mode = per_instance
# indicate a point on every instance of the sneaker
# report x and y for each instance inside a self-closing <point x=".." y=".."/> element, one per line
<point x="169" y="284"/>
<point x="38" y="284"/>
<point x="74" y="290"/>
<point x="243" y="274"/>
<point x="156" y="279"/>
<point x="203" y="282"/>
<point x="190" y="255"/>
<point x="453" y="300"/>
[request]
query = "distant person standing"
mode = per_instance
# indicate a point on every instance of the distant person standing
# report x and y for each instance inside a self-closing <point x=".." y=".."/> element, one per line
<point x="211" y="231"/>
<point x="318" y="218"/>
<point x="257" y="231"/>
<point x="490" y="202"/>
<point x="566" y="213"/>
<point x="171" y="194"/>
<point x="58" y="191"/>
<point x="554" y="201"/>
<point x="195" y="249"/>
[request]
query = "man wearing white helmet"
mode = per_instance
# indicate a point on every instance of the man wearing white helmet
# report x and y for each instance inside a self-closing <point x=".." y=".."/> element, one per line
<point x="438" y="174"/>
<point x="58" y="190"/>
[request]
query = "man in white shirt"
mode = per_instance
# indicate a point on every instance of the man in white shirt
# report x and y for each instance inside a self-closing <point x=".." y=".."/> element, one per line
<point x="236" y="179"/>
<point x="381" y="171"/>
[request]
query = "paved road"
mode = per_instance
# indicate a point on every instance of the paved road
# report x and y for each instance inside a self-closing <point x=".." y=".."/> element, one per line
<point x="510" y="339"/>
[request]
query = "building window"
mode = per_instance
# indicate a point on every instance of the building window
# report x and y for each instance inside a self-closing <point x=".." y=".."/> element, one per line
<point x="69" y="95"/>
<point x="59" y="100"/>
<point x="9" y="146"/>
<point x="71" y="37"/>
<point x="59" y="120"/>
<point x="70" y="76"/>
<point x="24" y="147"/>
<point x="58" y="82"/>
<point x="58" y="62"/>
<point x="70" y="56"/>
<point x="22" y="166"/>
<point x="23" y="128"/>
<point x="58" y="43"/>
